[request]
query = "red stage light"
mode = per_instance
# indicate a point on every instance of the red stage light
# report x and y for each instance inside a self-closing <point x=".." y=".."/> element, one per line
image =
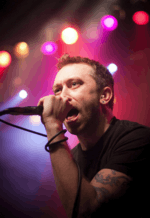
<point x="140" y="17"/>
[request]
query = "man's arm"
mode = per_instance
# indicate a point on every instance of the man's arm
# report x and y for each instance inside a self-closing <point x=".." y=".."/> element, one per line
<point x="107" y="184"/>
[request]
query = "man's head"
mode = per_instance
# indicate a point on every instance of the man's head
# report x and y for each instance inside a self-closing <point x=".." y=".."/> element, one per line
<point x="76" y="81"/>
<point x="101" y="75"/>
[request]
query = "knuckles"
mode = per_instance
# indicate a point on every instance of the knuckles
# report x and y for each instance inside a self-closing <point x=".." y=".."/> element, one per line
<point x="53" y="98"/>
<point x="55" y="107"/>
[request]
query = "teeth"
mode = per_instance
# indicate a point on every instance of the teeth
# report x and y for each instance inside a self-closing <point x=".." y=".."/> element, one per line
<point x="71" y="117"/>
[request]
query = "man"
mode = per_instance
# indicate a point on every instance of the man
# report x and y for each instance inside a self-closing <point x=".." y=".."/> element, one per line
<point x="112" y="154"/>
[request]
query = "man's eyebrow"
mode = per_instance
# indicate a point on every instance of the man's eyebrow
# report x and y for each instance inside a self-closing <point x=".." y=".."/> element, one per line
<point x="54" y="86"/>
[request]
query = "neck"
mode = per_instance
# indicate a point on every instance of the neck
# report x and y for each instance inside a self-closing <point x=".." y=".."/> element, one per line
<point x="91" y="136"/>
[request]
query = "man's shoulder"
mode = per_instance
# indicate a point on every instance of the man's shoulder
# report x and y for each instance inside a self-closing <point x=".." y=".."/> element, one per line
<point x="130" y="127"/>
<point x="129" y="123"/>
<point x="127" y="136"/>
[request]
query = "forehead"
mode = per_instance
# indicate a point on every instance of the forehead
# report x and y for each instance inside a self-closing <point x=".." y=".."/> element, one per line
<point x="80" y="70"/>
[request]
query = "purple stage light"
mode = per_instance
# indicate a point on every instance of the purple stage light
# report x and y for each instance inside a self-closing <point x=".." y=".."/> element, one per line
<point x="49" y="48"/>
<point x="109" y="22"/>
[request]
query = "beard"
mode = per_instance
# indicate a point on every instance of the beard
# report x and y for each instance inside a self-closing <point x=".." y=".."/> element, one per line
<point x="87" y="122"/>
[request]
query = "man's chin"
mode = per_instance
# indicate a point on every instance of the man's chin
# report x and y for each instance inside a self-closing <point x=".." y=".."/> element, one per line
<point x="74" y="130"/>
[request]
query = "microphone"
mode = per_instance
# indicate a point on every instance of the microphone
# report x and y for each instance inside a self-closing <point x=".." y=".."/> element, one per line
<point x="30" y="110"/>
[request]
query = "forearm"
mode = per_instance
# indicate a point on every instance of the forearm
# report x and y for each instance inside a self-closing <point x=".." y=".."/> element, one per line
<point x="66" y="178"/>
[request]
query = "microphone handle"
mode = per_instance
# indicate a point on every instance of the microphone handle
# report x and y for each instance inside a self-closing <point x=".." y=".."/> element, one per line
<point x="30" y="110"/>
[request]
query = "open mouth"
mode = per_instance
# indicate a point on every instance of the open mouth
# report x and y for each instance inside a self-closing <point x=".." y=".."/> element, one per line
<point x="72" y="114"/>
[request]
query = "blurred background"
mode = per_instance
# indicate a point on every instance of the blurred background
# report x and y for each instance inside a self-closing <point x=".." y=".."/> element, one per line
<point x="33" y="35"/>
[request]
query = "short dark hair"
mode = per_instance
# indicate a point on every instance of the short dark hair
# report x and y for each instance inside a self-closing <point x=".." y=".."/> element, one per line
<point x="102" y="76"/>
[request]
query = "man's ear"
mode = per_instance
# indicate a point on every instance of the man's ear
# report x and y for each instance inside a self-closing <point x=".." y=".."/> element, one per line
<point x="106" y="95"/>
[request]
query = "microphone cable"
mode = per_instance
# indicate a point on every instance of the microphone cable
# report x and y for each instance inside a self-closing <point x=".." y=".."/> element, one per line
<point x="38" y="111"/>
<point x="19" y="127"/>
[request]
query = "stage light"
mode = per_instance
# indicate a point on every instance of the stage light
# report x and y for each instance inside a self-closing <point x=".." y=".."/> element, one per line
<point x="140" y="17"/>
<point x="23" y="94"/>
<point x="21" y="50"/>
<point x="35" y="120"/>
<point x="69" y="35"/>
<point x="109" y="22"/>
<point x="17" y="81"/>
<point x="5" y="59"/>
<point x="112" y="68"/>
<point x="49" y="48"/>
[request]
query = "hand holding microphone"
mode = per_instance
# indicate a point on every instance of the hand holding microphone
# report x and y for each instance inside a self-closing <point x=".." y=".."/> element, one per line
<point x="33" y="110"/>
<point x="52" y="109"/>
<point x="55" y="108"/>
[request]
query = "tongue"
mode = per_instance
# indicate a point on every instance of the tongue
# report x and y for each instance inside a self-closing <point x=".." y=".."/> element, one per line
<point x="72" y="114"/>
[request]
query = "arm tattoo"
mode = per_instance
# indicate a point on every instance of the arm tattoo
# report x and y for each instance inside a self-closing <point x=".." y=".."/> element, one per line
<point x="102" y="193"/>
<point x="112" y="185"/>
<point x="111" y="180"/>
<point x="113" y="172"/>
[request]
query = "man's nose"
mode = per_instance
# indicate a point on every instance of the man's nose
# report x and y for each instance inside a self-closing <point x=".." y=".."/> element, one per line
<point x="65" y="93"/>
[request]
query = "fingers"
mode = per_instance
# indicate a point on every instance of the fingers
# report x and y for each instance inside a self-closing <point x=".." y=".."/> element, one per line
<point x="55" y="108"/>
<point x="40" y="102"/>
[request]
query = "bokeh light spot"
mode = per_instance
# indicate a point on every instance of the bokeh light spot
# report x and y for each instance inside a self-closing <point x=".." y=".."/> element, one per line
<point x="49" y="48"/>
<point x="21" y="50"/>
<point x="5" y="59"/>
<point x="109" y="22"/>
<point x="69" y="35"/>
<point x="17" y="81"/>
<point x="112" y="68"/>
<point x="23" y="94"/>
<point x="35" y="120"/>
<point x="140" y="17"/>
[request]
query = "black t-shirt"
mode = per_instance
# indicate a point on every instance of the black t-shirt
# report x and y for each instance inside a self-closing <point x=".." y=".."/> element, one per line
<point x="124" y="147"/>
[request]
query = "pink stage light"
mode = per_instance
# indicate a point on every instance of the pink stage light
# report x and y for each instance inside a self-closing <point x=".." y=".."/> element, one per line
<point x="109" y="22"/>
<point x="140" y="17"/>
<point x="49" y="48"/>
